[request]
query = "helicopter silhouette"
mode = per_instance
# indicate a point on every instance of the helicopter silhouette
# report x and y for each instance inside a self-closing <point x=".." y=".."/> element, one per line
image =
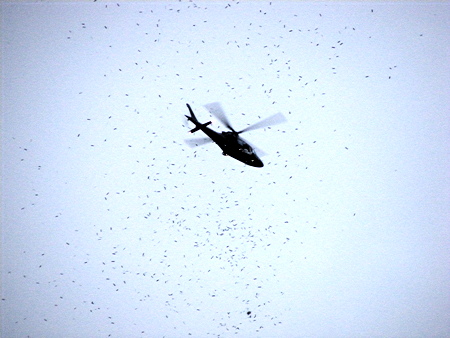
<point x="229" y="141"/>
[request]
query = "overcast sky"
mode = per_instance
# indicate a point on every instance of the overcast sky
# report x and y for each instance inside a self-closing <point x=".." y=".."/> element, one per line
<point x="112" y="225"/>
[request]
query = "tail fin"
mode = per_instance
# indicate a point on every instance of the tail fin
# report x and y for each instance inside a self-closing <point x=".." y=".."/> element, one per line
<point x="192" y="114"/>
<point x="194" y="120"/>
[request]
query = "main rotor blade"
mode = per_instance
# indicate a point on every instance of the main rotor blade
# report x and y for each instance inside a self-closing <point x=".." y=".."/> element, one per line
<point x="216" y="109"/>
<point x="194" y="142"/>
<point x="271" y="120"/>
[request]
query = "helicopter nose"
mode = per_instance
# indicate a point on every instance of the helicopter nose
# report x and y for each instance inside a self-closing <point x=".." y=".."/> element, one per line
<point x="257" y="163"/>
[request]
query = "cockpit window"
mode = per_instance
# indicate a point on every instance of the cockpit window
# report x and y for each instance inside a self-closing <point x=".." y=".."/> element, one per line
<point x="245" y="148"/>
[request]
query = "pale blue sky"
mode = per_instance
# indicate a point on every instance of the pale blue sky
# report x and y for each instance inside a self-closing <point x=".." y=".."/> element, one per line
<point x="112" y="225"/>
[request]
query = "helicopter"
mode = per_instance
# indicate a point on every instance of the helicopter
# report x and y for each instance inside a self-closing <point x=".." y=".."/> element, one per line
<point x="229" y="141"/>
